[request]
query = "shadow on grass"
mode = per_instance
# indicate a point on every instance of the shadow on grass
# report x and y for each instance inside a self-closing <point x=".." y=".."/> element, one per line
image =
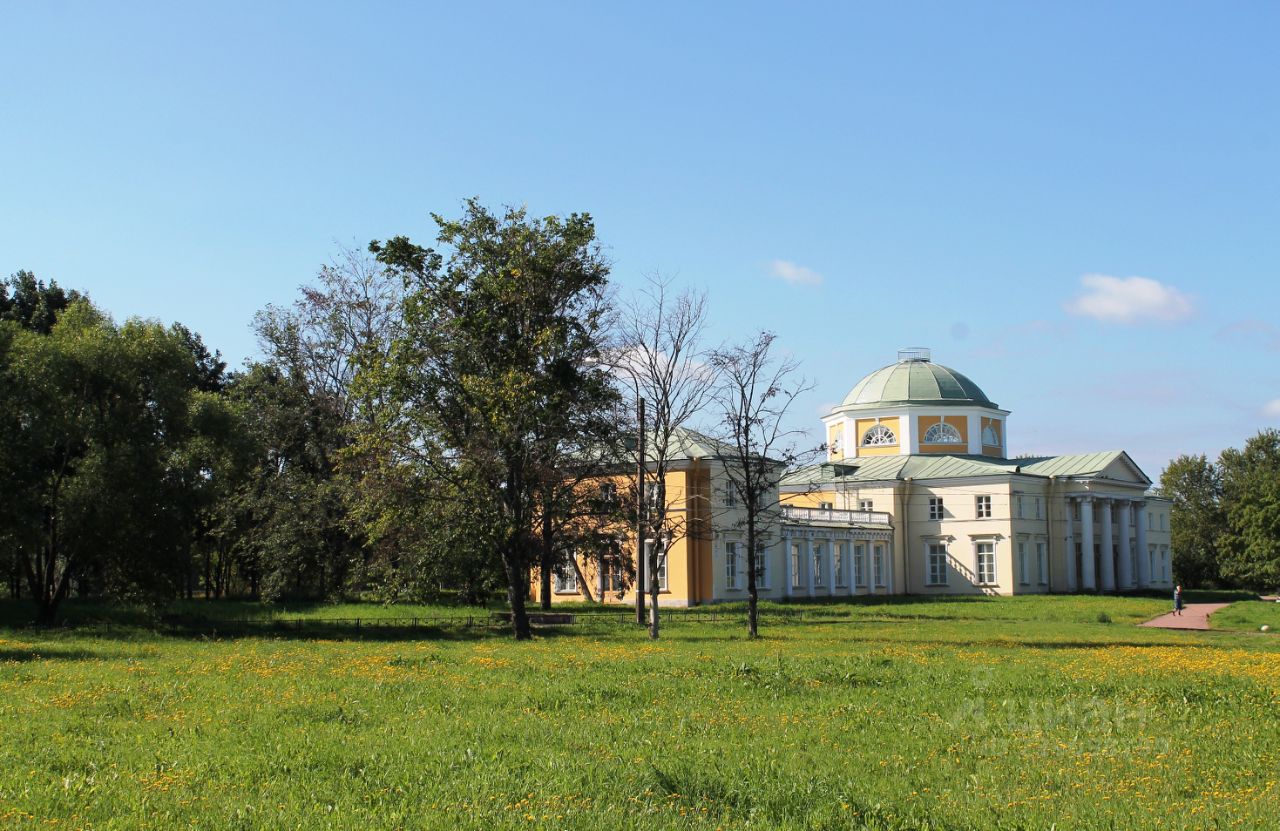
<point x="23" y="656"/>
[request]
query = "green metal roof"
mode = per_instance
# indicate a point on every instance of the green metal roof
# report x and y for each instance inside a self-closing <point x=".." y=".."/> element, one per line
<point x="915" y="382"/>
<point x="886" y="468"/>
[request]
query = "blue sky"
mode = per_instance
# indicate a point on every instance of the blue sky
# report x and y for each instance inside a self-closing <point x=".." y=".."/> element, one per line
<point x="982" y="179"/>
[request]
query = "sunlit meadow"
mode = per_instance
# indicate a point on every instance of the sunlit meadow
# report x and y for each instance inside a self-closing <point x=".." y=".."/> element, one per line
<point x="986" y="714"/>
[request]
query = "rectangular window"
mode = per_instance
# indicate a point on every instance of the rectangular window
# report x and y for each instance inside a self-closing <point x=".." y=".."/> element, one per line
<point x="865" y="505"/>
<point x="730" y="495"/>
<point x="797" y="564"/>
<point x="1164" y="563"/>
<point x="986" y="563"/>
<point x="935" y="507"/>
<point x="566" y="580"/>
<point x="1018" y="505"/>
<point x="652" y="499"/>
<point x="731" y="565"/>
<point x="818" y="579"/>
<point x="612" y="575"/>
<point x="662" y="567"/>
<point x="1042" y="565"/>
<point x="826" y="506"/>
<point x="840" y="551"/>
<point x="877" y="566"/>
<point x="1035" y="502"/>
<point x="608" y="496"/>
<point x="936" y="556"/>
<point x="762" y="570"/>
<point x="1024" y="576"/>
<point x="860" y="564"/>
<point x="1151" y="560"/>
<point x="983" y="509"/>
<point x="1162" y="522"/>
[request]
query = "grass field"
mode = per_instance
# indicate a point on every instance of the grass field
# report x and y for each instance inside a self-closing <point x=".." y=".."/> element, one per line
<point x="1009" y="713"/>
<point x="1248" y="616"/>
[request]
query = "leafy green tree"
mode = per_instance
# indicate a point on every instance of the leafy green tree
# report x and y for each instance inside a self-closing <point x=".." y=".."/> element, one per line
<point x="1251" y="495"/>
<point x="32" y="304"/>
<point x="1197" y="520"/>
<point x="500" y="350"/>
<point x="96" y="456"/>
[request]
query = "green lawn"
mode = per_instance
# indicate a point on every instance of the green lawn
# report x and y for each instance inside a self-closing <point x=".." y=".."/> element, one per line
<point x="1007" y="713"/>
<point x="1248" y="616"/>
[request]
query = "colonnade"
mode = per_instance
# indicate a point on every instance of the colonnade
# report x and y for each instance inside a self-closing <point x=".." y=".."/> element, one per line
<point x="1121" y="561"/>
<point x="809" y="562"/>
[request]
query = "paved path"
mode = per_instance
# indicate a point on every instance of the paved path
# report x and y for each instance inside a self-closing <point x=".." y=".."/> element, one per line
<point x="1194" y="616"/>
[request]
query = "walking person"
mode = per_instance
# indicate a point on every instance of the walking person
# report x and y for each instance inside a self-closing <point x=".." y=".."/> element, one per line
<point x="1177" y="601"/>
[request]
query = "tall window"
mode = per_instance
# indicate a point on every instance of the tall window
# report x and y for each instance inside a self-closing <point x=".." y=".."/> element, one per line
<point x="1042" y="565"/>
<point x="1164" y="563"/>
<point x="1024" y="576"/>
<point x="983" y="507"/>
<point x="730" y="495"/>
<point x="817" y="565"/>
<point x="566" y="580"/>
<point x="840" y="553"/>
<point x="762" y="570"/>
<point x="612" y="574"/>
<point x="936" y="557"/>
<point x="986" y="563"/>
<point x="935" y="507"/>
<point x="859" y="564"/>
<point x="877" y="565"/>
<point x="941" y="433"/>
<point x="1018" y="504"/>
<point x="731" y="565"/>
<point x="1036" y="503"/>
<point x="608" y="496"/>
<point x="878" y="436"/>
<point x="797" y="565"/>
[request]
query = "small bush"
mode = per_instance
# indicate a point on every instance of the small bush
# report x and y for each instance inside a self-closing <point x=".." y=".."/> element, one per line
<point x="1103" y="617"/>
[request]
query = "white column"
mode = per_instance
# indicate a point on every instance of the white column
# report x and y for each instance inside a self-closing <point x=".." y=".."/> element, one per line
<point x="888" y="567"/>
<point x="787" y="577"/>
<point x="1144" y="569"/>
<point x="806" y="558"/>
<point x="1070" y="521"/>
<point x="1087" y="581"/>
<point x="831" y="565"/>
<point x="1108" y="576"/>
<point x="1126" y="550"/>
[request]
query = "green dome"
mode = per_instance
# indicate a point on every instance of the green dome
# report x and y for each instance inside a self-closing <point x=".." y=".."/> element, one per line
<point x="915" y="381"/>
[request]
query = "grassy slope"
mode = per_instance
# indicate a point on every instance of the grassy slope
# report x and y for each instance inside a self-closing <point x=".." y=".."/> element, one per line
<point x="981" y="714"/>
<point x="1248" y="616"/>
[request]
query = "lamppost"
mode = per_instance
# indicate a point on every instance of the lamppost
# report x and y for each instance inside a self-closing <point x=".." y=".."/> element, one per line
<point x="640" y="511"/>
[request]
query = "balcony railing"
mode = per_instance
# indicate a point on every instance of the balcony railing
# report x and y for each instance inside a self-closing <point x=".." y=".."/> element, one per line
<point x="796" y="514"/>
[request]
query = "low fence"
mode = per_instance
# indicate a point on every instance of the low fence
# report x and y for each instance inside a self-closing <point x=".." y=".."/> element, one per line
<point x="419" y="625"/>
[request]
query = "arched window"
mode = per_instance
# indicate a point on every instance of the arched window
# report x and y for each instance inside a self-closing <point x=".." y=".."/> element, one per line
<point x="990" y="437"/>
<point x="942" y="433"/>
<point x="878" y="436"/>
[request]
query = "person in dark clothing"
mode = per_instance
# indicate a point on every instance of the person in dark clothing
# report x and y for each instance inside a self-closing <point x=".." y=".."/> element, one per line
<point x="1177" y="601"/>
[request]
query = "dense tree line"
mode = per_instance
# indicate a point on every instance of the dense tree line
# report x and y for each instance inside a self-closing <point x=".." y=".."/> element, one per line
<point x="1225" y="523"/>
<point x="424" y="423"/>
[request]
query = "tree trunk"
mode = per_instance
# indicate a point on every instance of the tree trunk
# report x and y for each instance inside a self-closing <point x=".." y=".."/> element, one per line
<point x="753" y="592"/>
<point x="583" y="588"/>
<point x="659" y="549"/>
<point x="546" y="562"/>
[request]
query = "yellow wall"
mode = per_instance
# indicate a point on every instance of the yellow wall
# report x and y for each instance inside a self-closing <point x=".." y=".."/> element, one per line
<point x="862" y="425"/>
<point x="689" y="569"/>
<point x="961" y="423"/>
<point x="835" y="446"/>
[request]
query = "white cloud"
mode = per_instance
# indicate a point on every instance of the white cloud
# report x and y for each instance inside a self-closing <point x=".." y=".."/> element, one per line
<point x="796" y="275"/>
<point x="1272" y="408"/>
<point x="1129" y="300"/>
